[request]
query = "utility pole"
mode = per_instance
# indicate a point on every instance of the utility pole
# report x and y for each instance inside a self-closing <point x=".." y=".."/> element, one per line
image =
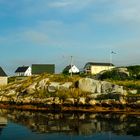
<point x="111" y="53"/>
<point x="71" y="65"/>
<point x="110" y="57"/>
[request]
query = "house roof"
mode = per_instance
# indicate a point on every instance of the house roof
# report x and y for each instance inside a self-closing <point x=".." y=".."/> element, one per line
<point x="21" y="69"/>
<point x="99" y="64"/>
<point x="43" y="68"/>
<point x="67" y="68"/>
<point x="70" y="68"/>
<point x="2" y="73"/>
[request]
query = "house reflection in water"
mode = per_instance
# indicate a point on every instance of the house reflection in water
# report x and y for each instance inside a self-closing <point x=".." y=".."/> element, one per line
<point x="76" y="123"/>
<point x="3" y="123"/>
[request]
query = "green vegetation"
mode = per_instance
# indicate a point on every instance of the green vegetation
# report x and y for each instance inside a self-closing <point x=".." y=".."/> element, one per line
<point x="134" y="72"/>
<point x="16" y="78"/>
<point x="129" y="79"/>
<point x="131" y="73"/>
<point x="128" y="84"/>
<point x="64" y="78"/>
<point x="114" y="75"/>
<point x="21" y="84"/>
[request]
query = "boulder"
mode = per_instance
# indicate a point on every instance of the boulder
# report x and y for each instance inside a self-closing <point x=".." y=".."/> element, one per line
<point x="65" y="86"/>
<point x="87" y="85"/>
<point x="53" y="87"/>
<point x="138" y="102"/>
<point x="134" y="91"/>
<point x="99" y="89"/>
<point x="93" y="95"/>
<point x="92" y="102"/>
<point x="122" y="100"/>
<point x="57" y="100"/>
<point x="69" y="101"/>
<point x="50" y="100"/>
<point x="117" y="89"/>
<point x="11" y="93"/>
<point x="43" y="83"/>
<point x="82" y="101"/>
<point x="95" y="86"/>
<point x="31" y="89"/>
<point x="106" y="87"/>
<point x="108" y="101"/>
<point x="4" y="99"/>
<point x="124" y="70"/>
<point x="27" y="100"/>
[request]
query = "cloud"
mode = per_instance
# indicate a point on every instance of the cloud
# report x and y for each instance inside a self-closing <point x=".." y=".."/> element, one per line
<point x="60" y="4"/>
<point x="71" y="4"/>
<point x="34" y="37"/>
<point x="120" y="11"/>
<point x="25" y="36"/>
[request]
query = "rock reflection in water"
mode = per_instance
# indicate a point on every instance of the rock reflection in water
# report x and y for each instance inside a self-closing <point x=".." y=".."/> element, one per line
<point x="76" y="123"/>
<point x="3" y="120"/>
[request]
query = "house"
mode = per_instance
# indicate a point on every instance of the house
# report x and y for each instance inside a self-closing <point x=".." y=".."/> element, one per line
<point x="23" y="71"/>
<point x="95" y="68"/>
<point x="3" y="77"/>
<point x="43" y="68"/>
<point x="71" y="69"/>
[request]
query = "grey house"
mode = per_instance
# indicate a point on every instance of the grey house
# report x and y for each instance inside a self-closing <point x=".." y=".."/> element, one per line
<point x="3" y="77"/>
<point x="43" y="68"/>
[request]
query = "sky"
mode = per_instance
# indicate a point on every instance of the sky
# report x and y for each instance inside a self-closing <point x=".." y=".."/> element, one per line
<point x="51" y="31"/>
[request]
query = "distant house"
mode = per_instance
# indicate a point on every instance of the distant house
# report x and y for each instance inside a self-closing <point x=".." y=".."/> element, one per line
<point x="43" y="68"/>
<point x="3" y="77"/>
<point x="71" y="69"/>
<point x="23" y="71"/>
<point x="95" y="68"/>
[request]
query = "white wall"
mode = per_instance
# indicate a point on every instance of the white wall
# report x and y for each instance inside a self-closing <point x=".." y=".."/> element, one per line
<point x="28" y="72"/>
<point x="3" y="80"/>
<point x="74" y="69"/>
<point x="98" y="69"/>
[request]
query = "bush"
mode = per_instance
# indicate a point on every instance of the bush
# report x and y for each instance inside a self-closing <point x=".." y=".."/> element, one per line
<point x="114" y="75"/>
<point x="134" y="72"/>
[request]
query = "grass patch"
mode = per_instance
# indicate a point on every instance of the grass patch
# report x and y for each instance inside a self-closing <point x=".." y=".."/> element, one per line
<point x="128" y="84"/>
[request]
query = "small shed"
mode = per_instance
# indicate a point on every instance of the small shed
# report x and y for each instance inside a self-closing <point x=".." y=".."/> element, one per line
<point x="23" y="71"/>
<point x="43" y="68"/>
<point x="3" y="77"/>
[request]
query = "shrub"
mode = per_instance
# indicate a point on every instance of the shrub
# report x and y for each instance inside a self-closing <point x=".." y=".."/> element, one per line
<point x="114" y="75"/>
<point x="62" y="94"/>
<point x="134" y="72"/>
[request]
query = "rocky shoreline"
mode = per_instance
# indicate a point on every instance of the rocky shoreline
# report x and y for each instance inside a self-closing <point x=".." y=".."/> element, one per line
<point x="119" y="108"/>
<point x="84" y="94"/>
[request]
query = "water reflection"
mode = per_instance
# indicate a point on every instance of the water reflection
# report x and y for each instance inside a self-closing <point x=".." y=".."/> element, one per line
<point x="3" y="123"/>
<point x="73" y="123"/>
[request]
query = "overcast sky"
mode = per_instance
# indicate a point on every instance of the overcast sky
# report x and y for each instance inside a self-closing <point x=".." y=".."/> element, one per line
<point x="50" y="31"/>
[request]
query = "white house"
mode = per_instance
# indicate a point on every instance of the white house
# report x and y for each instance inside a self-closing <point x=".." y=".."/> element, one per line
<point x="23" y="71"/>
<point x="3" y="77"/>
<point x="95" y="68"/>
<point x="71" y="69"/>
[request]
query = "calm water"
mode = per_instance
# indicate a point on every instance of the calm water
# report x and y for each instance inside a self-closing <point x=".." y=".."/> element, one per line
<point x="25" y="125"/>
